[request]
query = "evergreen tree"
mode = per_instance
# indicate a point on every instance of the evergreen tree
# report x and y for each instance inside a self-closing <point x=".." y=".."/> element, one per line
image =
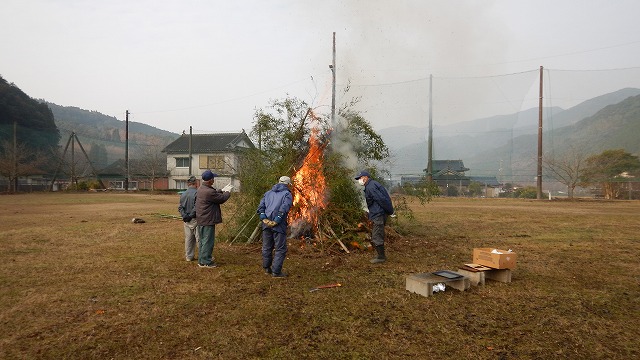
<point x="35" y="125"/>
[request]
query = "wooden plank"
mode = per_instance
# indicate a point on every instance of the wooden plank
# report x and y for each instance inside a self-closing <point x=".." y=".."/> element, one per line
<point x="478" y="267"/>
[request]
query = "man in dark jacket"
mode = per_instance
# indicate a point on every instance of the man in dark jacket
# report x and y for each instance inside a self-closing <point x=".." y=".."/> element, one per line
<point x="208" y="214"/>
<point x="273" y="209"/>
<point x="187" y="209"/>
<point x="379" y="206"/>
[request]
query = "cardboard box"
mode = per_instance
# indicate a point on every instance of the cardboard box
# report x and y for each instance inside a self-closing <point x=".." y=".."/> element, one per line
<point x="501" y="260"/>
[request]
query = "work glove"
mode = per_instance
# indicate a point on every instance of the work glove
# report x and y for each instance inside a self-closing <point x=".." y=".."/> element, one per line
<point x="269" y="223"/>
<point x="278" y="218"/>
<point x="263" y="216"/>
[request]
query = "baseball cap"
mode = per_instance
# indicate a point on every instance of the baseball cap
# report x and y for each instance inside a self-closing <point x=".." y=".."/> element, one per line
<point x="208" y="175"/>
<point x="191" y="179"/>
<point x="285" y="180"/>
<point x="362" y="173"/>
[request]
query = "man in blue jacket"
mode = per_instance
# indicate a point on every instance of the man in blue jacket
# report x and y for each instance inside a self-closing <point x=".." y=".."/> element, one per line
<point x="273" y="209"/>
<point x="380" y="206"/>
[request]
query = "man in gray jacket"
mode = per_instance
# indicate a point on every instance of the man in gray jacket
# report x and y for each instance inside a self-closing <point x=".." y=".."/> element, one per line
<point x="208" y="214"/>
<point x="187" y="209"/>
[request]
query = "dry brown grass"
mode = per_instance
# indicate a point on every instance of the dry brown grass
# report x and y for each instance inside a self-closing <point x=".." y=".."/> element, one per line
<point x="79" y="280"/>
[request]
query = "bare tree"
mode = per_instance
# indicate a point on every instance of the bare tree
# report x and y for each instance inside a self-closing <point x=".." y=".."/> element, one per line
<point x="18" y="160"/>
<point x="567" y="167"/>
<point x="151" y="161"/>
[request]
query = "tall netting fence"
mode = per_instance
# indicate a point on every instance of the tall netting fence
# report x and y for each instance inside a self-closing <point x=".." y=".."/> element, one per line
<point x="491" y="123"/>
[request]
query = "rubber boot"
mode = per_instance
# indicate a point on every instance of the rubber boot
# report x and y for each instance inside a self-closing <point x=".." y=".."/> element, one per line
<point x="380" y="258"/>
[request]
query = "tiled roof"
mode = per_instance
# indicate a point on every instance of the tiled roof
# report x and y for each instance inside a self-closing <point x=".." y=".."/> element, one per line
<point x="455" y="165"/>
<point x="448" y="174"/>
<point x="209" y="143"/>
<point x="136" y="167"/>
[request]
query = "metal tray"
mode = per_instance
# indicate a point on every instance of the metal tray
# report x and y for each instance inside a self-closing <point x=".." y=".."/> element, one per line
<point x="447" y="274"/>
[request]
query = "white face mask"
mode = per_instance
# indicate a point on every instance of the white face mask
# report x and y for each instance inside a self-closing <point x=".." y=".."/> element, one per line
<point x="361" y="181"/>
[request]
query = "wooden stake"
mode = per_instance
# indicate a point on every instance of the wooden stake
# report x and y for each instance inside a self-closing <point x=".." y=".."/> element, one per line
<point x="339" y="241"/>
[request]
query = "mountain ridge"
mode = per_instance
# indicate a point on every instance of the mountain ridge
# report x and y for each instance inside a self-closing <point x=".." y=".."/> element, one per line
<point x="95" y="128"/>
<point x="411" y="158"/>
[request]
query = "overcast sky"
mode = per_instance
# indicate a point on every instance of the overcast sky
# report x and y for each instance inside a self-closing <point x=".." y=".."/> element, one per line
<point x="210" y="64"/>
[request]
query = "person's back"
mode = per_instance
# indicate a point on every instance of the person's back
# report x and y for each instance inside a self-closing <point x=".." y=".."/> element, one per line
<point x="187" y="209"/>
<point x="278" y="200"/>
<point x="208" y="214"/>
<point x="208" y="200"/>
<point x="273" y="209"/>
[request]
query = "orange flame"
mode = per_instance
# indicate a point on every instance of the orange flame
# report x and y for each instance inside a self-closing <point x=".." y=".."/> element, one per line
<point x="309" y="186"/>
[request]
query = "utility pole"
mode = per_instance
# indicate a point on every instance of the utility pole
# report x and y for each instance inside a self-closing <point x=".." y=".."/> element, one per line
<point x="333" y="92"/>
<point x="74" y="182"/>
<point x="126" y="151"/>
<point x="539" y="176"/>
<point x="430" y="140"/>
<point x="190" y="149"/>
<point x="15" y="156"/>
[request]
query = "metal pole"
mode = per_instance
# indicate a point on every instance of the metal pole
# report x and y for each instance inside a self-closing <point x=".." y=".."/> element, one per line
<point x="73" y="162"/>
<point x="539" y="179"/>
<point x="333" y="93"/>
<point x="430" y="144"/>
<point x="190" y="149"/>
<point x="126" y="151"/>
<point x="88" y="160"/>
<point x="15" y="156"/>
<point x="64" y="154"/>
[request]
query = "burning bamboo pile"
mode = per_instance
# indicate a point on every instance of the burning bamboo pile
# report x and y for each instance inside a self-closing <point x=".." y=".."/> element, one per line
<point x="311" y="199"/>
<point x="309" y="191"/>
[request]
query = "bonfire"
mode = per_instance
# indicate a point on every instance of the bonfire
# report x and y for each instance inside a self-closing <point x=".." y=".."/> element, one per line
<point x="309" y="192"/>
<point x="326" y="205"/>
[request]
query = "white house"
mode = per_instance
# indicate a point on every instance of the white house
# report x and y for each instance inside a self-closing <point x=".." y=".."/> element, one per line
<point x="220" y="153"/>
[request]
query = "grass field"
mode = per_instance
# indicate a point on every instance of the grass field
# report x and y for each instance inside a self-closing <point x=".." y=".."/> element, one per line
<point x="79" y="280"/>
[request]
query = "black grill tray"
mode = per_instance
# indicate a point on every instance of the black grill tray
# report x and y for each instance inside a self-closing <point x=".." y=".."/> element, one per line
<point x="447" y="274"/>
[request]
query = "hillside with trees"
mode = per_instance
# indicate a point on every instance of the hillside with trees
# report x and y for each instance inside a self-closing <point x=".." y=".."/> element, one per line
<point x="605" y="122"/>
<point x="34" y="121"/>
<point x="28" y="136"/>
<point x="613" y="127"/>
<point x="104" y="136"/>
<point x="42" y="130"/>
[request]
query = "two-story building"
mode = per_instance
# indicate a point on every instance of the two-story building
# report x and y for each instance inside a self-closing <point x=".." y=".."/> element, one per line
<point x="191" y="154"/>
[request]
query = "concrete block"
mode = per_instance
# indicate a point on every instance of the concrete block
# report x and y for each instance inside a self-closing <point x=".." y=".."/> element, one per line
<point x="502" y="275"/>
<point x="422" y="283"/>
<point x="475" y="277"/>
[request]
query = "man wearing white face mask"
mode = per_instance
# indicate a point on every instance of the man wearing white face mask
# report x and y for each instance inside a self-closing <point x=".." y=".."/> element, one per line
<point x="380" y="206"/>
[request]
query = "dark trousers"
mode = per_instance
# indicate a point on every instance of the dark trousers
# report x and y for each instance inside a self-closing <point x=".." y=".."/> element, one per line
<point x="274" y="250"/>
<point x="207" y="241"/>
<point x="377" y="232"/>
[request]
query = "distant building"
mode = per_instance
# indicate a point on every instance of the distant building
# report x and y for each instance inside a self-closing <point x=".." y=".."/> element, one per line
<point x="143" y="175"/>
<point x="450" y="177"/>
<point x="220" y="153"/>
<point x="450" y="173"/>
<point x="490" y="185"/>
